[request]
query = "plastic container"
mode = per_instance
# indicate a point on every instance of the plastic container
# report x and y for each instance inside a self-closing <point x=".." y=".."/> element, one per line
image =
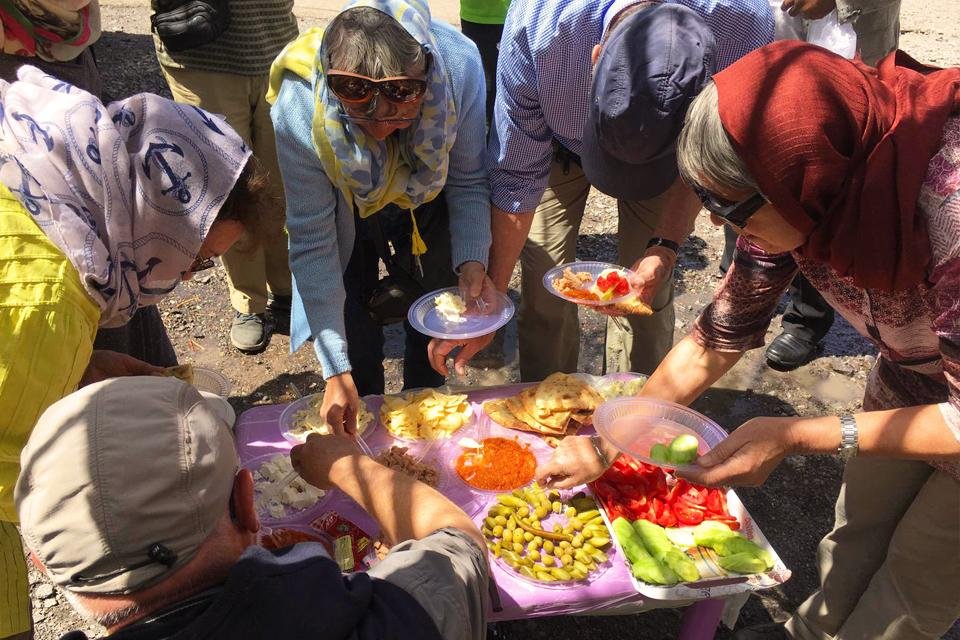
<point x="594" y="269"/>
<point x="427" y="452"/>
<point x="289" y="512"/>
<point x="635" y="424"/>
<point x="424" y="318"/>
<point x="211" y="381"/>
<point x="308" y="403"/>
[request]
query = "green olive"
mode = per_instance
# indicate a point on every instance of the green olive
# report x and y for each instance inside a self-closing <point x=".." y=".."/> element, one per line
<point x="497" y="531"/>
<point x="570" y="512"/>
<point x="556" y="506"/>
<point x="523" y="511"/>
<point x="517" y="547"/>
<point x="548" y="561"/>
<point x="534" y="555"/>
<point x="566" y="560"/>
<point x="577" y="541"/>
<point x="548" y="546"/>
<point x="560" y="574"/>
<point x="508" y="535"/>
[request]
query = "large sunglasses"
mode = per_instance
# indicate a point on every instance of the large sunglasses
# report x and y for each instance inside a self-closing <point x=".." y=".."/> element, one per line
<point x="355" y="90"/>
<point x="735" y="213"/>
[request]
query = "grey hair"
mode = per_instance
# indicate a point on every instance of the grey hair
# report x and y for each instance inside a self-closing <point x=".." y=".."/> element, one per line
<point x="104" y="619"/>
<point x="704" y="150"/>
<point x="369" y="42"/>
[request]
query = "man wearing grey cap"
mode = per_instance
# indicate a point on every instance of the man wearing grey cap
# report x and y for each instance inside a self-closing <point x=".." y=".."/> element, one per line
<point x="594" y="93"/>
<point x="131" y="499"/>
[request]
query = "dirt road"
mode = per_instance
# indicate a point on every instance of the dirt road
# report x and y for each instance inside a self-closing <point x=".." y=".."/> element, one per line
<point x="794" y="508"/>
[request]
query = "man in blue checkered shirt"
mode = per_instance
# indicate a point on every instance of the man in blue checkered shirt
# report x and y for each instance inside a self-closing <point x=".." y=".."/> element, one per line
<point x="593" y="93"/>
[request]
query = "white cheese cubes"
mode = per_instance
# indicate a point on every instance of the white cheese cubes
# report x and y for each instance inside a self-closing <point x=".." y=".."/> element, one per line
<point x="297" y="495"/>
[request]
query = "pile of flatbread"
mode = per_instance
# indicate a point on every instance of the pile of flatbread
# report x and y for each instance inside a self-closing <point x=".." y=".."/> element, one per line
<point x="560" y="404"/>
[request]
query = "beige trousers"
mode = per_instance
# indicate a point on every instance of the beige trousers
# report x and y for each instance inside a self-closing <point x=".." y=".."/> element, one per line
<point x="549" y="328"/>
<point x="254" y="266"/>
<point x="890" y="569"/>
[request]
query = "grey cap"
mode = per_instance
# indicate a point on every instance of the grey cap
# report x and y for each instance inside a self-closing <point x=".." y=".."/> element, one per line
<point x="651" y="67"/>
<point x="123" y="480"/>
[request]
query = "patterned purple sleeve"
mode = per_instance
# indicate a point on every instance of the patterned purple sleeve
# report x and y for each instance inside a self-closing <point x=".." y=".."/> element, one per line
<point x="946" y="324"/>
<point x="745" y="300"/>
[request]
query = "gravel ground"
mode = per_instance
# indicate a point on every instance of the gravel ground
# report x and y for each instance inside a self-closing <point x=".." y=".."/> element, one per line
<point x="794" y="508"/>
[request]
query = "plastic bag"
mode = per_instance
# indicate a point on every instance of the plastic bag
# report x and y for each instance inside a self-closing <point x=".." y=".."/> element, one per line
<point x="829" y="33"/>
<point x="826" y="32"/>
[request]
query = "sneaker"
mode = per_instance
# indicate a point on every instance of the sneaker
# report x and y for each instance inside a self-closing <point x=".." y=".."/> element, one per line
<point x="250" y="332"/>
<point x="278" y="312"/>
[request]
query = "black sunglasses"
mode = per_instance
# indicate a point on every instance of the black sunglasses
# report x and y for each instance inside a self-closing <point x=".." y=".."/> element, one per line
<point x="735" y="213"/>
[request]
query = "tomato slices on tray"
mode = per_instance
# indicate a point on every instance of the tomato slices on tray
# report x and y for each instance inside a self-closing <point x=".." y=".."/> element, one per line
<point x="639" y="491"/>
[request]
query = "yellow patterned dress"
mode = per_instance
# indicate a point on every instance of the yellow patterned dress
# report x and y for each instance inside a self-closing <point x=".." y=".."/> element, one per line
<point x="47" y="325"/>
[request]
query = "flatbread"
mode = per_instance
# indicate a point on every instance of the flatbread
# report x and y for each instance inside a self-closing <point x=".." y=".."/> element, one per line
<point x="564" y="392"/>
<point x="181" y="371"/>
<point x="634" y="306"/>
<point x="555" y="423"/>
<point x="499" y="413"/>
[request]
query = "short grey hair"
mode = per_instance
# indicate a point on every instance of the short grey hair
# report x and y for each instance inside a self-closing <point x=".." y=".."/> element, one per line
<point x="369" y="42"/>
<point x="704" y="150"/>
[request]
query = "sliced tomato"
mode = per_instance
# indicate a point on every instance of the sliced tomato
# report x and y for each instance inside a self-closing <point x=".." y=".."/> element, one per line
<point x="667" y="519"/>
<point x="717" y="501"/>
<point x="695" y="495"/>
<point x="687" y="515"/>
<point x="730" y="521"/>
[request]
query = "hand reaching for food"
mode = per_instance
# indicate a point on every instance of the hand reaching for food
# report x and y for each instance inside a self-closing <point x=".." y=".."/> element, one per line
<point x="314" y="460"/>
<point x="341" y="403"/>
<point x="575" y="462"/>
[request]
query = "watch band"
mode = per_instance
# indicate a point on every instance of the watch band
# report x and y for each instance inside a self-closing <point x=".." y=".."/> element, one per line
<point x="595" y="440"/>
<point x="849" y="438"/>
<point x="665" y="243"/>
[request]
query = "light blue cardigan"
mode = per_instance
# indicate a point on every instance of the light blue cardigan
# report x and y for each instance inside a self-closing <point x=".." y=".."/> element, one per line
<point x="320" y="222"/>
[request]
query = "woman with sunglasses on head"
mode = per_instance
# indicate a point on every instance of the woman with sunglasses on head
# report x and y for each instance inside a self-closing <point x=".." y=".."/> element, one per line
<point x="380" y="132"/>
<point x="850" y="175"/>
<point x="103" y="209"/>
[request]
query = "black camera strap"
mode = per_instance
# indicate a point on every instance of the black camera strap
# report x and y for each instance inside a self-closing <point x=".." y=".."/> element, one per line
<point x="401" y="276"/>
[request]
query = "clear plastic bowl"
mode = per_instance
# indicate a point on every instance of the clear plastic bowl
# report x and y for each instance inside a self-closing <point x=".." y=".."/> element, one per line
<point x="635" y="424"/>
<point x="306" y="403"/>
<point x="594" y="269"/>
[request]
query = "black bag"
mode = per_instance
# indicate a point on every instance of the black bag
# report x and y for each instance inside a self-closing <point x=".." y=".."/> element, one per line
<point x="397" y="292"/>
<point x="187" y="24"/>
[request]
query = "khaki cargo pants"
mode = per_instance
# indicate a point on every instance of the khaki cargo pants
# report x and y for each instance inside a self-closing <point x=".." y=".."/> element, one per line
<point x="549" y="327"/>
<point x="254" y="266"/>
<point x="890" y="569"/>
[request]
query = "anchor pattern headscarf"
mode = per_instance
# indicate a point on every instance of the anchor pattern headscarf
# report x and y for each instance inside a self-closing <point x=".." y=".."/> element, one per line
<point x="126" y="191"/>
<point x="407" y="169"/>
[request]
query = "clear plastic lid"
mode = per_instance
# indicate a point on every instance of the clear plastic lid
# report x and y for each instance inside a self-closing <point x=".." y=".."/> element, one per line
<point x="211" y="381"/>
<point x="635" y="425"/>
<point x="482" y="316"/>
<point x="591" y="269"/>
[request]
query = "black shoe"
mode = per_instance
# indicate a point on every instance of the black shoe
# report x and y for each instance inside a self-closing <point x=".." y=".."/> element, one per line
<point x="789" y="351"/>
<point x="763" y="631"/>
<point x="278" y="311"/>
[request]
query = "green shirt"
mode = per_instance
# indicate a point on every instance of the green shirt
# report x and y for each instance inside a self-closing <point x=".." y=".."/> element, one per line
<point x="484" y="11"/>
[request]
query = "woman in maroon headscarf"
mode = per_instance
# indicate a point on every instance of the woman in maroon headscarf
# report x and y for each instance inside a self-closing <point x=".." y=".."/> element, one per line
<point x="852" y="175"/>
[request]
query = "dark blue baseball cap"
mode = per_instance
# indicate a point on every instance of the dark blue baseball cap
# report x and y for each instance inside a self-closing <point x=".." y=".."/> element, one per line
<point x="651" y="67"/>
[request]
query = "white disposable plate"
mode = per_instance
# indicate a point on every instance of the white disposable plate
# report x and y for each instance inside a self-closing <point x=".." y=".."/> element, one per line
<point x="424" y="318"/>
<point x="594" y="269"/>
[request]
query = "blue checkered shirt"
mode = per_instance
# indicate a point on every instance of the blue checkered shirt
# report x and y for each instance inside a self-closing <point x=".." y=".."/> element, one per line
<point x="544" y="75"/>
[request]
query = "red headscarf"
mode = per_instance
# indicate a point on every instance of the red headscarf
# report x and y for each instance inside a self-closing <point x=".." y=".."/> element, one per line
<point x="841" y="150"/>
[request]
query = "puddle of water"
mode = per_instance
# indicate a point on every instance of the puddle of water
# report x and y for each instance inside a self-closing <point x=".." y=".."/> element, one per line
<point x="834" y="388"/>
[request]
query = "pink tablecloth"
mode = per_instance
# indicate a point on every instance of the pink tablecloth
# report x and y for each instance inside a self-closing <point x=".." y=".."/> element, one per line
<point x="258" y="434"/>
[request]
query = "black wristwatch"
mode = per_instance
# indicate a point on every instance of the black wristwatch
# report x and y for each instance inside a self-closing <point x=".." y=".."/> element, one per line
<point x="663" y="242"/>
